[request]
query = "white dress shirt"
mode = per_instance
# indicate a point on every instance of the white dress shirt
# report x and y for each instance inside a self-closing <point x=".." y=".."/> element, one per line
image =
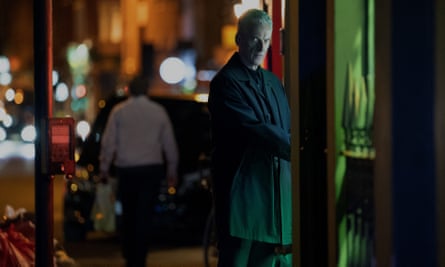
<point x="138" y="132"/>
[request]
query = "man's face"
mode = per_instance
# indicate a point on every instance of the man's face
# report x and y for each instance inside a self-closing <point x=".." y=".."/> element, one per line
<point x="253" y="45"/>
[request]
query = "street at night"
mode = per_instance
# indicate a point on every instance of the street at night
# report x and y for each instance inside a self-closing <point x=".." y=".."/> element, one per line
<point x="332" y="135"/>
<point x="17" y="181"/>
<point x="17" y="190"/>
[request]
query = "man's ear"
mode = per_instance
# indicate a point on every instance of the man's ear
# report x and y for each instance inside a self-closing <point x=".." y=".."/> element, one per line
<point x="237" y="38"/>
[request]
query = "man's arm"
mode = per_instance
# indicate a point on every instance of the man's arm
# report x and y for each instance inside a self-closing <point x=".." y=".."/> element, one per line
<point x="229" y="108"/>
<point x="171" y="151"/>
<point x="108" y="146"/>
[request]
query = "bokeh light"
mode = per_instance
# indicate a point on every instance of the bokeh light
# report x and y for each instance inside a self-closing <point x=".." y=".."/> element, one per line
<point x="101" y="103"/>
<point x="3" y="134"/>
<point x="2" y="113"/>
<point x="10" y="94"/>
<point x="8" y="121"/>
<point x="202" y="98"/>
<point x="55" y="77"/>
<point x="28" y="133"/>
<point x="19" y="97"/>
<point x="172" y="70"/>
<point x="83" y="129"/>
<point x="205" y="75"/>
<point x="81" y="91"/>
<point x="62" y="92"/>
<point x="4" y="64"/>
<point x="27" y="151"/>
<point x="5" y="78"/>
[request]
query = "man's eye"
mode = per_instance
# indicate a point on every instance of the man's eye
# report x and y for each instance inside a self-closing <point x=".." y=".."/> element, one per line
<point x="257" y="40"/>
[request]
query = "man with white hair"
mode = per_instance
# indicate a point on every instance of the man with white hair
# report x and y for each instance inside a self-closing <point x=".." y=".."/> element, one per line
<point x="250" y="124"/>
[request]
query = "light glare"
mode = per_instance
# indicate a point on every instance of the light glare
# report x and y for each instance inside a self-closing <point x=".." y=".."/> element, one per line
<point x="28" y="133"/>
<point x="7" y="121"/>
<point x="172" y="70"/>
<point x="4" y="64"/>
<point x="10" y="94"/>
<point x="2" y="114"/>
<point x="5" y="78"/>
<point x="55" y="77"/>
<point x="83" y="129"/>
<point x="2" y="134"/>
<point x="202" y="98"/>
<point x="62" y="92"/>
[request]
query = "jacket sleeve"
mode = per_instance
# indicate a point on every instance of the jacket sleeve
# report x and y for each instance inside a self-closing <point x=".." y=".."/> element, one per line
<point x="169" y="146"/>
<point x="108" y="143"/>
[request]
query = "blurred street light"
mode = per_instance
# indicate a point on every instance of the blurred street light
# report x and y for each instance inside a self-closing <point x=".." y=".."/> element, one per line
<point x="239" y="9"/>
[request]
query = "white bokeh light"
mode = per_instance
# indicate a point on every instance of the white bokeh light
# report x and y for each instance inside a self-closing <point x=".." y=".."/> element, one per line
<point x="28" y="133"/>
<point x="83" y="129"/>
<point x="245" y="5"/>
<point x="5" y="78"/>
<point x="10" y="94"/>
<point x="2" y="114"/>
<point x="62" y="92"/>
<point x="3" y="134"/>
<point x="27" y="151"/>
<point x="172" y="70"/>
<point x="8" y="120"/>
<point x="55" y="77"/>
<point x="4" y="64"/>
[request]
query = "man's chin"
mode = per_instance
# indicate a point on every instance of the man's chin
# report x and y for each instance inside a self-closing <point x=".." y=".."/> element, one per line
<point x="258" y="60"/>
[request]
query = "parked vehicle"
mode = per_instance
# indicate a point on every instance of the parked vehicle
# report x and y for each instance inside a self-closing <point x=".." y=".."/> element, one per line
<point x="179" y="216"/>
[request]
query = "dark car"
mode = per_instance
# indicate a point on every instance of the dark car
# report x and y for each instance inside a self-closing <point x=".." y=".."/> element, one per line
<point x="179" y="216"/>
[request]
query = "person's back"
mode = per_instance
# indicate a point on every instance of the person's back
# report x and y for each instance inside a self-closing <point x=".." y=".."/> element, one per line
<point x="145" y="124"/>
<point x="137" y="138"/>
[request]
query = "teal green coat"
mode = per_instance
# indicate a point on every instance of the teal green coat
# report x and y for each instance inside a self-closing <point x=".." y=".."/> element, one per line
<point x="251" y="155"/>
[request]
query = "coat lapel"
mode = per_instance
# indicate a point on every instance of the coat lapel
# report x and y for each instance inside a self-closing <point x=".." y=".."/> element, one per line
<point x="274" y="103"/>
<point x="273" y="106"/>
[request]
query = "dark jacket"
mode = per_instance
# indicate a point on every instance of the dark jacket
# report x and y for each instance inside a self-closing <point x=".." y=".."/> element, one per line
<point x="251" y="154"/>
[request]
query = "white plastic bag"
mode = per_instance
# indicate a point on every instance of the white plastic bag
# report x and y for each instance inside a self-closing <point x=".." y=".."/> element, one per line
<point x="103" y="213"/>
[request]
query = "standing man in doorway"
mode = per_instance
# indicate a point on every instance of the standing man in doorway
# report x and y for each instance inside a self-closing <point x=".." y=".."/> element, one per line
<point x="250" y="123"/>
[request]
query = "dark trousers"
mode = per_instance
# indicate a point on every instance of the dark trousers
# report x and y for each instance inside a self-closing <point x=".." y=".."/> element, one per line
<point x="238" y="252"/>
<point x="138" y="188"/>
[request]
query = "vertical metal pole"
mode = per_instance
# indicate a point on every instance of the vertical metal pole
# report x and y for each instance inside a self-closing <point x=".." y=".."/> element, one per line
<point x="277" y="62"/>
<point x="291" y="82"/>
<point x="330" y="138"/>
<point x="383" y="135"/>
<point x="43" y="110"/>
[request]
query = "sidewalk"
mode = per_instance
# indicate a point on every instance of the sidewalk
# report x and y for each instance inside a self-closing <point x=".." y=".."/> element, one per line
<point x="105" y="252"/>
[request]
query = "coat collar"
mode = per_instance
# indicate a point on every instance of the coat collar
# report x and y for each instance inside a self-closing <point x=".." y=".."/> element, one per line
<point x="237" y="69"/>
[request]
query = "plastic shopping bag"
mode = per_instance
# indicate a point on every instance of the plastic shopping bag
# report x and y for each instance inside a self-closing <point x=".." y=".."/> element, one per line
<point x="103" y="213"/>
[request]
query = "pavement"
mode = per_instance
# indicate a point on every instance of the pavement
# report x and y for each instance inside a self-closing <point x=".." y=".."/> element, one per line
<point x="98" y="250"/>
<point x="103" y="251"/>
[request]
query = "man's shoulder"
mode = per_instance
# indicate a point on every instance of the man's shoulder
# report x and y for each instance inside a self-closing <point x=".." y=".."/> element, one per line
<point x="155" y="107"/>
<point x="132" y="103"/>
<point x="231" y="72"/>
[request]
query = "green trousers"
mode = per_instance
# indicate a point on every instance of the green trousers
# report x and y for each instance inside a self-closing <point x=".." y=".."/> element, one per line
<point x="237" y="252"/>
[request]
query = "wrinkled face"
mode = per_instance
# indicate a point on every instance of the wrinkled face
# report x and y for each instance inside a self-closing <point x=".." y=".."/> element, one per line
<point x="253" y="45"/>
